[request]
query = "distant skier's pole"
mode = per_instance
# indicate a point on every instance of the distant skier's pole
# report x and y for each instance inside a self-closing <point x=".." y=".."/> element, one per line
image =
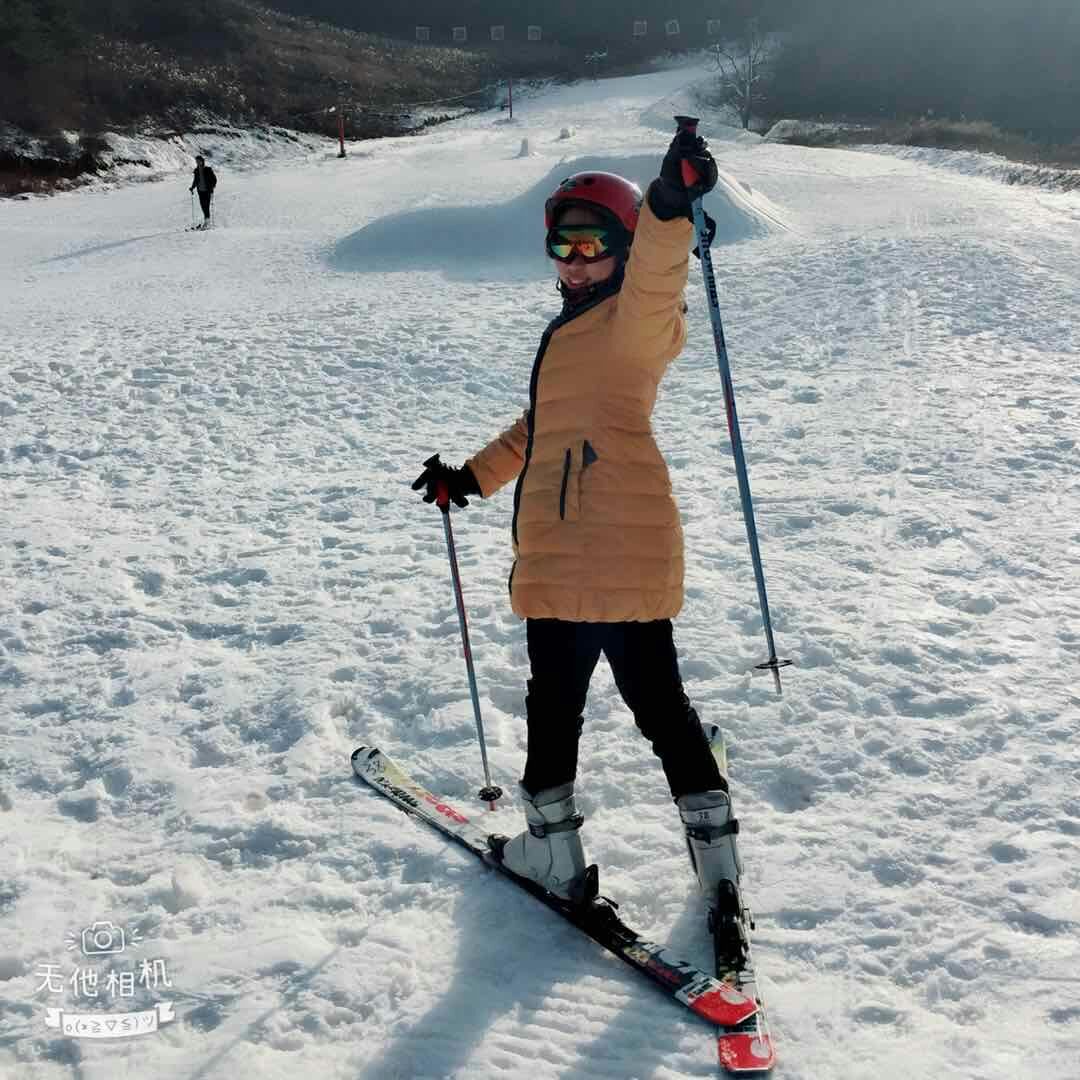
<point x="341" y="127"/>
<point x="489" y="793"/>
<point x="192" y="193"/>
<point x="510" y="96"/>
<point x="689" y="125"/>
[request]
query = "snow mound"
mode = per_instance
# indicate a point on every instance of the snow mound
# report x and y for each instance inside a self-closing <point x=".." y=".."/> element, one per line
<point x="485" y="240"/>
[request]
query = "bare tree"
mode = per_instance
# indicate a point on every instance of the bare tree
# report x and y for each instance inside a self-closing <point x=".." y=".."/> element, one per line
<point x="743" y="65"/>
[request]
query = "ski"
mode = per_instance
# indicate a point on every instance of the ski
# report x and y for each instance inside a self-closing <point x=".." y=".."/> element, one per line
<point x="745" y="1047"/>
<point x="721" y="1002"/>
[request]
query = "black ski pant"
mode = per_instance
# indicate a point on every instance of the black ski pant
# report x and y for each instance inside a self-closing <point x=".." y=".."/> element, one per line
<point x="563" y="656"/>
<point x="204" y="202"/>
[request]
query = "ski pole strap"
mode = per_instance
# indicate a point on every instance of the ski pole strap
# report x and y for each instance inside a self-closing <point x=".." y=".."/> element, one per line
<point x="710" y="234"/>
<point x="569" y="825"/>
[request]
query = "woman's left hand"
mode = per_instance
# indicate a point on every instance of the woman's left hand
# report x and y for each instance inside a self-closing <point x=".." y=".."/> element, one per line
<point x="669" y="197"/>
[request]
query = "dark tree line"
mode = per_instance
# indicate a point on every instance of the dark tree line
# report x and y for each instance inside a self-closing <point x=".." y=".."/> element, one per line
<point x="51" y="68"/>
<point x="1017" y="64"/>
<point x="35" y="32"/>
<point x="568" y="22"/>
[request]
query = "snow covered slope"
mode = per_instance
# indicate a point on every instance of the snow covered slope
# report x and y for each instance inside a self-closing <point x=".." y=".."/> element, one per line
<point x="215" y="582"/>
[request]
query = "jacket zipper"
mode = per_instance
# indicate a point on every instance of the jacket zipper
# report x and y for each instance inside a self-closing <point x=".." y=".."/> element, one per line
<point x="565" y="480"/>
<point x="534" y="380"/>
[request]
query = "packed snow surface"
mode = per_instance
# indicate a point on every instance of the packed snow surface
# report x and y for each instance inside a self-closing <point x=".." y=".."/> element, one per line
<point x="215" y="582"/>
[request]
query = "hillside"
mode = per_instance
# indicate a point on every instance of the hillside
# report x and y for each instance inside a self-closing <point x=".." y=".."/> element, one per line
<point x="175" y="68"/>
<point x="916" y="75"/>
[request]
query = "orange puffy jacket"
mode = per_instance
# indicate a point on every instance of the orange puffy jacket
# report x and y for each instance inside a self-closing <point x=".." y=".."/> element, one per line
<point x="596" y="531"/>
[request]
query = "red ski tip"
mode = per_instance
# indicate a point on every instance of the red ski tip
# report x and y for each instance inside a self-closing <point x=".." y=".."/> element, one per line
<point x="727" y="1007"/>
<point x="746" y="1052"/>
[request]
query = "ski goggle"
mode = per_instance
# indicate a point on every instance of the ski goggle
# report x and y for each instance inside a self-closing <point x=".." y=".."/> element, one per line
<point x="591" y="242"/>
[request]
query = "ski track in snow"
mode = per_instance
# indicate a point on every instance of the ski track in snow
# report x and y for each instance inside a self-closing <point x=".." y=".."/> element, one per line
<point x="215" y="582"/>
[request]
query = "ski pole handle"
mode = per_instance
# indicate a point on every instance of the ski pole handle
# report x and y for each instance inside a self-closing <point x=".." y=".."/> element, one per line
<point x="688" y="125"/>
<point x="442" y="497"/>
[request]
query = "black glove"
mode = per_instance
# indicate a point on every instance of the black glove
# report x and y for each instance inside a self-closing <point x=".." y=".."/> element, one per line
<point x="459" y="482"/>
<point x="669" y="197"/>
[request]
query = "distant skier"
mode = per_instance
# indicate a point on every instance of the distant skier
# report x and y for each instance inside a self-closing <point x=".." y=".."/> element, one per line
<point x="204" y="181"/>
<point x="597" y="537"/>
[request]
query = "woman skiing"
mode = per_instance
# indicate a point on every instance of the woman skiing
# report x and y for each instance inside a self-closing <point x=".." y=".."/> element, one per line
<point x="597" y="537"/>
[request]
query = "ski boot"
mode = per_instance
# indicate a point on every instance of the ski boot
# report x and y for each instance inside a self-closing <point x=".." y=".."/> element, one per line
<point x="550" y="852"/>
<point x="710" y="838"/>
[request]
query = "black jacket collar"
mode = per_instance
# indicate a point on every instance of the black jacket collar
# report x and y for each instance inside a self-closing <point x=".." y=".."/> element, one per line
<point x="580" y="300"/>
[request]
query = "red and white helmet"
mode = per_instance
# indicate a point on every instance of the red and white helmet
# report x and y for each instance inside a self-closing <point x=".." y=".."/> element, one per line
<point x="612" y="196"/>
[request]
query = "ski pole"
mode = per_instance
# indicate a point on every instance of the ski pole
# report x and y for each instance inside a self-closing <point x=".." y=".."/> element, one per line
<point x="489" y="793"/>
<point x="192" y="194"/>
<point x="689" y="125"/>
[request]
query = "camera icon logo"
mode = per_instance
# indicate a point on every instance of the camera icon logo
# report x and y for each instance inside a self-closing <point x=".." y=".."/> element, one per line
<point x="102" y="938"/>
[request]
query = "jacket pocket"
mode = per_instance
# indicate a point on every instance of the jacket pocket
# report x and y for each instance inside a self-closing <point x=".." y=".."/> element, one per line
<point x="575" y="461"/>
